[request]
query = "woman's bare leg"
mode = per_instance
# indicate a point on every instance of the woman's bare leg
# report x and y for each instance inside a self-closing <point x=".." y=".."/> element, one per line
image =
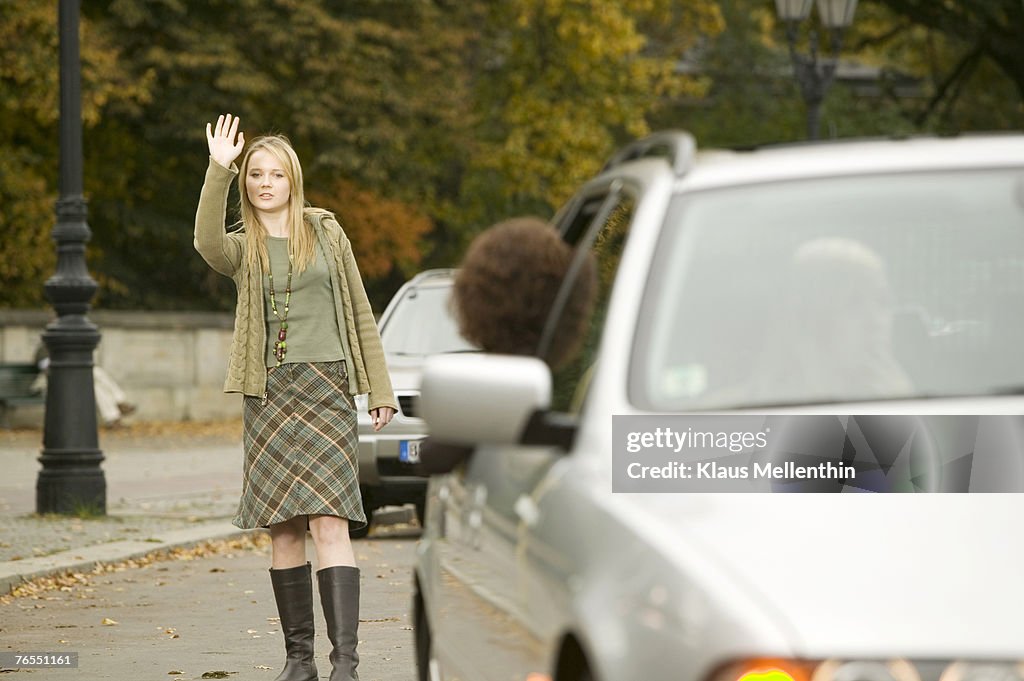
<point x="288" y="543"/>
<point x="333" y="546"/>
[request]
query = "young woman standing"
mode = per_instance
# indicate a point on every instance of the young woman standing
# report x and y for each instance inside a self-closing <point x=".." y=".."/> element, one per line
<point x="305" y="342"/>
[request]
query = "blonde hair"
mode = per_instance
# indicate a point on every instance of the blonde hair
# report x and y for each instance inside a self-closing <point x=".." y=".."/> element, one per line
<point x="301" y="239"/>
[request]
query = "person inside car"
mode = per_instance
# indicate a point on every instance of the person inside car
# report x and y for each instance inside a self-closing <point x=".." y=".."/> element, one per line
<point x="834" y="340"/>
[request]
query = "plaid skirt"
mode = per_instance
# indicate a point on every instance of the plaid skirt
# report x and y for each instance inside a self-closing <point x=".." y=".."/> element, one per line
<point x="301" y="448"/>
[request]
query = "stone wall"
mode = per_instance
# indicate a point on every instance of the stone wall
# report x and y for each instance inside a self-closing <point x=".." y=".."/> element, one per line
<point x="171" y="364"/>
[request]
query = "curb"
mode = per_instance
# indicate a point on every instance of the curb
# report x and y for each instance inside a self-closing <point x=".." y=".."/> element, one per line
<point x="13" y="573"/>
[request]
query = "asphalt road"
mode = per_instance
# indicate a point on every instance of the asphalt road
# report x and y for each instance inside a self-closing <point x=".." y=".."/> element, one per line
<point x="181" y="619"/>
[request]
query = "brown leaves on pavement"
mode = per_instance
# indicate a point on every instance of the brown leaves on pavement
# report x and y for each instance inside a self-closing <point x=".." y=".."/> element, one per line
<point x="68" y="581"/>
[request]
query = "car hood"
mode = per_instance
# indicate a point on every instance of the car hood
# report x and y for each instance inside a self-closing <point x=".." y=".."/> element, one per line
<point x="908" y="575"/>
<point x="406" y="371"/>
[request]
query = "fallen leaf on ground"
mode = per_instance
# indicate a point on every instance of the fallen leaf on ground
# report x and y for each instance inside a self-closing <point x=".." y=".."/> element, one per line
<point x="217" y="675"/>
<point x="109" y="622"/>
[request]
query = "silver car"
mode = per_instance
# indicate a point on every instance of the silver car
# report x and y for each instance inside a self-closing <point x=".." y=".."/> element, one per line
<point x="867" y="278"/>
<point x="416" y="324"/>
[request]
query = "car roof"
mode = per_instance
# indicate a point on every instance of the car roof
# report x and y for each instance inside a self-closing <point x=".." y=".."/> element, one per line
<point x="441" y="276"/>
<point x="716" y="168"/>
<point x="435" y="278"/>
<point x="675" y="154"/>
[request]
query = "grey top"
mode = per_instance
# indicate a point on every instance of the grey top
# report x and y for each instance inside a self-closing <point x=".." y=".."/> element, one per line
<point x="312" y="317"/>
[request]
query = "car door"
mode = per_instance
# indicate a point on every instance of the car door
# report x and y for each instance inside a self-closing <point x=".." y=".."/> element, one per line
<point x="492" y="625"/>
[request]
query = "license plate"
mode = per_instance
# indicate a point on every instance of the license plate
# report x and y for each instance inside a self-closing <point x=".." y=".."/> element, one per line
<point x="409" y="451"/>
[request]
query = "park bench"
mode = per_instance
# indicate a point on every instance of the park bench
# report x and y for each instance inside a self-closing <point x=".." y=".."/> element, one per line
<point x="16" y="381"/>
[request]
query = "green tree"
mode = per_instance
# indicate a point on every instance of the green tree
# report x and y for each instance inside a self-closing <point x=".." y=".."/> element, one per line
<point x="29" y="108"/>
<point x="967" y="54"/>
<point x="552" y="88"/>
<point x="990" y="29"/>
<point x="418" y="121"/>
<point x="352" y="84"/>
<point x="467" y="111"/>
<point x="571" y="79"/>
<point x="755" y="99"/>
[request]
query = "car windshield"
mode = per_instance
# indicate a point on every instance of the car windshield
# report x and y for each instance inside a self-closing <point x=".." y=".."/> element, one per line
<point x="422" y="324"/>
<point x="839" y="289"/>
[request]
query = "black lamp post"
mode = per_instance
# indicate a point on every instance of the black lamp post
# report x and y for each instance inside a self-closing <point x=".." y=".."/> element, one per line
<point x="71" y="480"/>
<point x="813" y="72"/>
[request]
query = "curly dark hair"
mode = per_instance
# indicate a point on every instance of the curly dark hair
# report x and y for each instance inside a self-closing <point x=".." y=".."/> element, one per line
<point x="507" y="284"/>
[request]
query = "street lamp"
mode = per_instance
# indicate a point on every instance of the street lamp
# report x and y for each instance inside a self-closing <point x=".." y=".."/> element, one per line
<point x="71" y="480"/>
<point x="815" y="74"/>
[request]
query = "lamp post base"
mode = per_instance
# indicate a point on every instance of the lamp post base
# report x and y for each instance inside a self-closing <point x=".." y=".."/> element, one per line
<point x="71" y="480"/>
<point x="72" y="483"/>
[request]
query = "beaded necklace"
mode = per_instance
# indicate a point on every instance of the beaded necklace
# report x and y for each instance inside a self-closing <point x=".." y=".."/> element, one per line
<point x="280" y="346"/>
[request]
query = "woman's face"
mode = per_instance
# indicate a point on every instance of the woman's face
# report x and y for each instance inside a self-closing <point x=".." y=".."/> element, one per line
<point x="266" y="183"/>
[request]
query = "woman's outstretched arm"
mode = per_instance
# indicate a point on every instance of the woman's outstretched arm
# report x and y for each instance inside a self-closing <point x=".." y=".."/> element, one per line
<point x="223" y="252"/>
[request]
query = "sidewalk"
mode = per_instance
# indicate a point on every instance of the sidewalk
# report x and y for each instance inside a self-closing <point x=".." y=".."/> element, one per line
<point x="172" y="489"/>
<point x="211" y="616"/>
<point x="168" y="485"/>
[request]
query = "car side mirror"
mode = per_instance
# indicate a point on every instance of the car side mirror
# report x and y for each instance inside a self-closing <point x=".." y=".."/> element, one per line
<point x="481" y="398"/>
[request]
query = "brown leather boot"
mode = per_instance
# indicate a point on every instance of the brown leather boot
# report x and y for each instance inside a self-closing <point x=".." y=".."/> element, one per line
<point x="293" y="591"/>
<point x="339" y="594"/>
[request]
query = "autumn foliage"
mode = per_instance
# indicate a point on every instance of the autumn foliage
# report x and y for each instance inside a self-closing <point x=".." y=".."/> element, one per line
<point x="385" y="233"/>
<point x="423" y="122"/>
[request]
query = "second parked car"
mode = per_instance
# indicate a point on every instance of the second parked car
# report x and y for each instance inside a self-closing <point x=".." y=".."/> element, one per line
<point x="416" y="323"/>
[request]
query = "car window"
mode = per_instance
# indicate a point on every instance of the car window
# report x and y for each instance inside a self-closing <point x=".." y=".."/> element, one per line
<point x="836" y="289"/>
<point x="422" y="324"/>
<point x="602" y="224"/>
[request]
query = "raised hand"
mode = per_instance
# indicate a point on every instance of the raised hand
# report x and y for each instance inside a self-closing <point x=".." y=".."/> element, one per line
<point x="223" y="147"/>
